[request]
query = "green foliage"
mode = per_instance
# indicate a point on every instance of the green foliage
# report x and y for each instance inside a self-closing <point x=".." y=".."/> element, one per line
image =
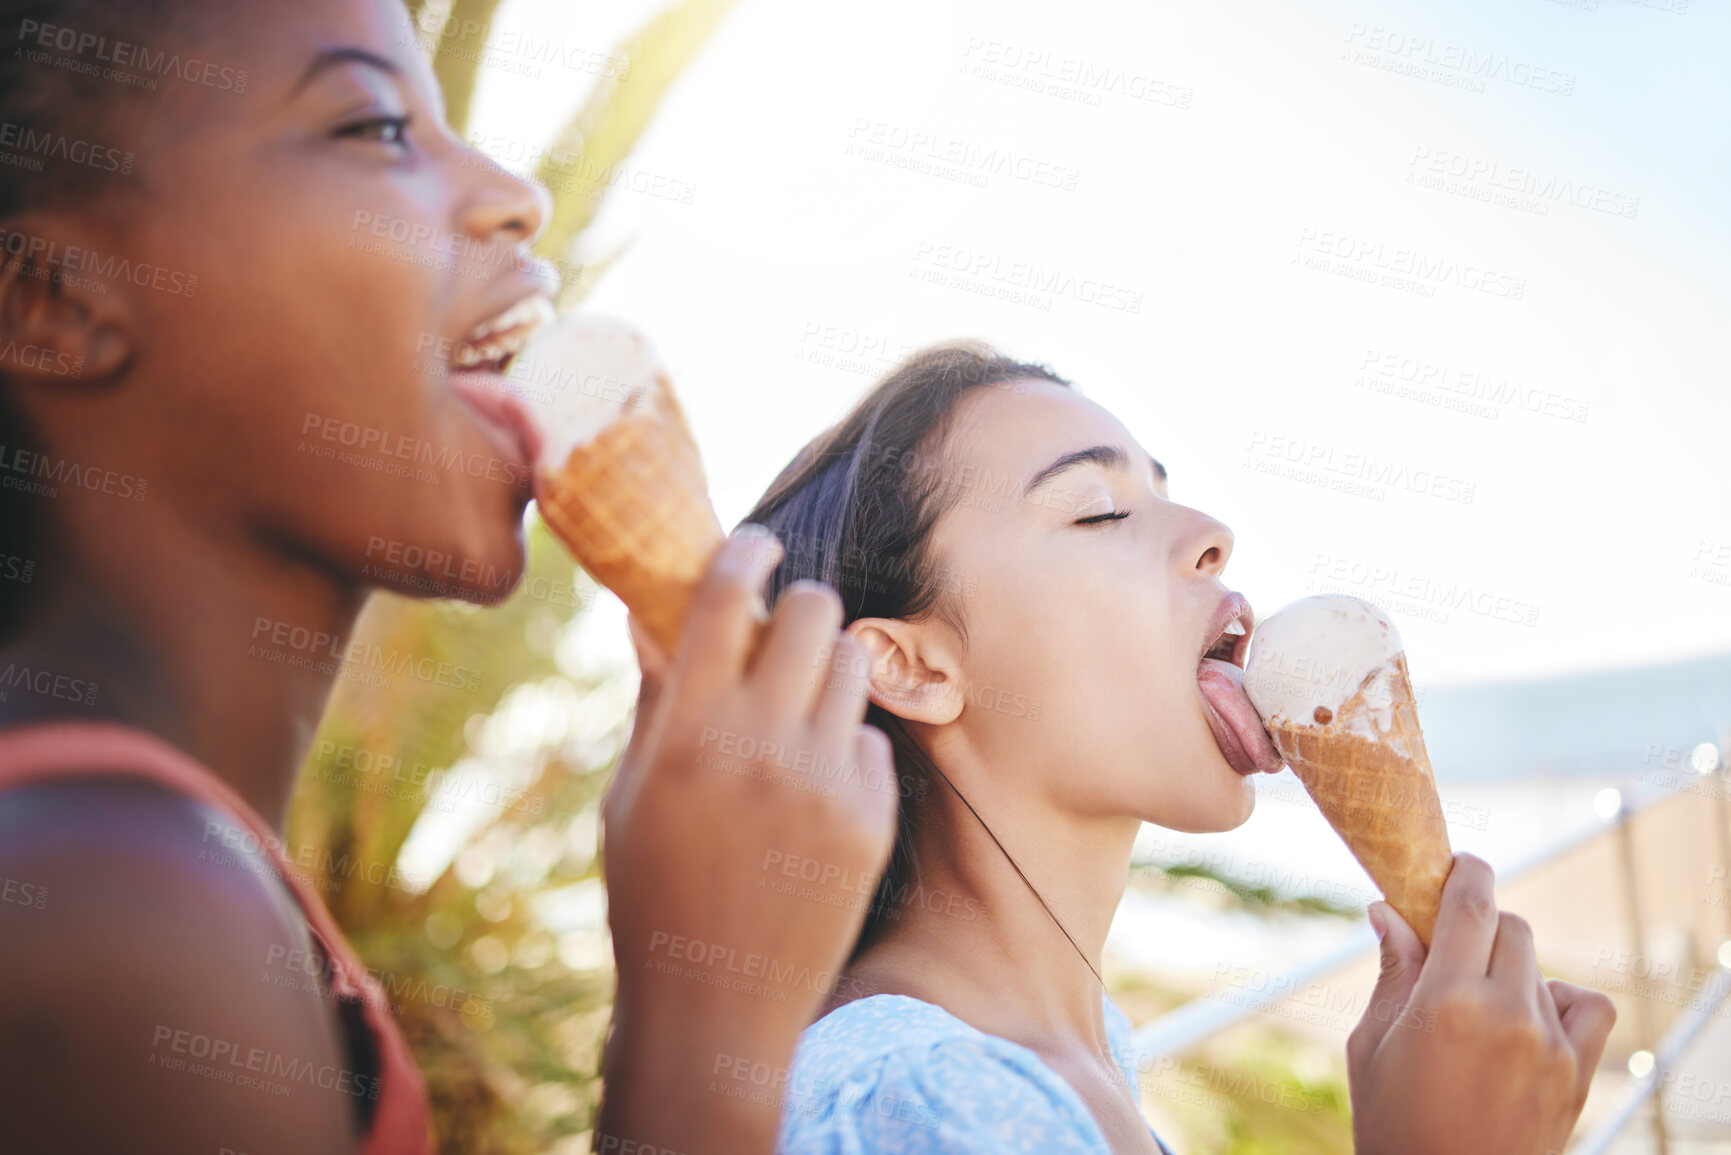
<point x="586" y="155"/>
<point x="458" y="55"/>
<point x="1260" y="1088"/>
<point x="493" y="1014"/>
<point x="1258" y="1091"/>
<point x="1230" y="891"/>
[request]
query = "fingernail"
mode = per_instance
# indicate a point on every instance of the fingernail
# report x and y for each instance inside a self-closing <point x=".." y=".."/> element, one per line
<point x="756" y="547"/>
<point x="1377" y="924"/>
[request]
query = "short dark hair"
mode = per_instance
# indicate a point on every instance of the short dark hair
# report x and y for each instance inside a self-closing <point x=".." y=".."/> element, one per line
<point x="59" y="110"/>
<point x="60" y="99"/>
<point x="855" y="510"/>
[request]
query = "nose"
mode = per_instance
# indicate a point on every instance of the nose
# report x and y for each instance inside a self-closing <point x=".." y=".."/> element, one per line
<point x="502" y="206"/>
<point x="1205" y="544"/>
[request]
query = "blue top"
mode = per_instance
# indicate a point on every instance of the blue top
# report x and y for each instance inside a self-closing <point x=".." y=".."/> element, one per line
<point x="893" y="1075"/>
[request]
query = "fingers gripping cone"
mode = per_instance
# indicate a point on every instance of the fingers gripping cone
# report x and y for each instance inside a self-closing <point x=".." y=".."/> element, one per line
<point x="620" y="480"/>
<point x="1330" y="679"/>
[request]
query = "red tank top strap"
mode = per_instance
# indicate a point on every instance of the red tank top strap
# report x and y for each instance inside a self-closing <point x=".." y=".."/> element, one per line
<point x="51" y="752"/>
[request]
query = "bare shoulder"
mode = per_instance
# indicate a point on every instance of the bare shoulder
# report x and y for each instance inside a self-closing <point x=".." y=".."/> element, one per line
<point x="154" y="993"/>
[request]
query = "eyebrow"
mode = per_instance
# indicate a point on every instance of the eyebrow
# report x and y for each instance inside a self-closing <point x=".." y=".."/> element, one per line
<point x="335" y="57"/>
<point x="1109" y="456"/>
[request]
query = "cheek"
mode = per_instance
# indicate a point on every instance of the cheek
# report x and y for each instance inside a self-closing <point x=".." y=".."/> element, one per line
<point x="1119" y="644"/>
<point x="298" y="375"/>
<point x="313" y="316"/>
<point x="1099" y="681"/>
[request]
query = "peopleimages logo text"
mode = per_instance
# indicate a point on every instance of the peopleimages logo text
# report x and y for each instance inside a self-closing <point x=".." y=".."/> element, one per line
<point x="55" y="146"/>
<point x="75" y="259"/>
<point x="124" y="54"/>
<point x="1410" y="262"/>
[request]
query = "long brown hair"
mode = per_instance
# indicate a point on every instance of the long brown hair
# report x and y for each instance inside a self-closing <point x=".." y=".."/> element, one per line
<point x="855" y="510"/>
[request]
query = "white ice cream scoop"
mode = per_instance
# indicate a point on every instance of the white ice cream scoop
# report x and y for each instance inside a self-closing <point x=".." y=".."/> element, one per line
<point x="580" y="374"/>
<point x="1308" y="658"/>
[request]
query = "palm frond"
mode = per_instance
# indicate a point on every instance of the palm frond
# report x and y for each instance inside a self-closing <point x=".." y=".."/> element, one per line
<point x="587" y="155"/>
<point x="391" y="730"/>
<point x="458" y="57"/>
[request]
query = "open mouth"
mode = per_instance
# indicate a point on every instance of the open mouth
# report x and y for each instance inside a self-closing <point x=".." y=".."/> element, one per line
<point x="1231" y="645"/>
<point x="491" y="346"/>
<point x="1236" y="725"/>
<point x="478" y="365"/>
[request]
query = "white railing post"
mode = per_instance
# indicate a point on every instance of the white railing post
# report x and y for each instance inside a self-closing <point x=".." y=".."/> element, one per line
<point x="1713" y="993"/>
<point x="1723" y="825"/>
<point x="1644" y="1032"/>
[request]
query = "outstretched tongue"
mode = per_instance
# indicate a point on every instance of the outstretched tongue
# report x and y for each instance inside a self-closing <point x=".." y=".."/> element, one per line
<point x="1237" y="726"/>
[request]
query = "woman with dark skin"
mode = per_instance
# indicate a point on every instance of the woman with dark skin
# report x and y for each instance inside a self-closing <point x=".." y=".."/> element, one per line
<point x="169" y="481"/>
<point x="284" y="261"/>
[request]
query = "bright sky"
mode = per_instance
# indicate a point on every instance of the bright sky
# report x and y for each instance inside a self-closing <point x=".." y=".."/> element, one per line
<point x="865" y="178"/>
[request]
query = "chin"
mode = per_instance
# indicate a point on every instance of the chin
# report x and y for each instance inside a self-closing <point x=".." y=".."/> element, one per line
<point x="482" y="570"/>
<point x="1249" y="807"/>
<point x="1229" y="805"/>
<point x="1236" y="803"/>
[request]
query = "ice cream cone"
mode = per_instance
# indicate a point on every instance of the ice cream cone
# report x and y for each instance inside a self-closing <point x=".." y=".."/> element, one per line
<point x="1367" y="770"/>
<point x="629" y="501"/>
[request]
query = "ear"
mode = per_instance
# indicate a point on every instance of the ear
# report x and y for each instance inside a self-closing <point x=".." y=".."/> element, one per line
<point x="57" y="324"/>
<point x="913" y="673"/>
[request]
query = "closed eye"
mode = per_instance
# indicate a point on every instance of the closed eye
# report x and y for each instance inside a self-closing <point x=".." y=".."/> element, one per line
<point x="1098" y="518"/>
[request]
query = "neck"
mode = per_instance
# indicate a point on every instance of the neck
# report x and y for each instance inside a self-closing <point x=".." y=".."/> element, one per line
<point x="221" y="648"/>
<point x="993" y="940"/>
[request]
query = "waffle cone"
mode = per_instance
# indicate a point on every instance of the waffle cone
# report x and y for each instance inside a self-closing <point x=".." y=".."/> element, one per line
<point x="1378" y="794"/>
<point x="633" y="507"/>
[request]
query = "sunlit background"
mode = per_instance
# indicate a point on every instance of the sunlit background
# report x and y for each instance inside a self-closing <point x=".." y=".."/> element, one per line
<point x="1586" y="418"/>
<point x="1425" y="300"/>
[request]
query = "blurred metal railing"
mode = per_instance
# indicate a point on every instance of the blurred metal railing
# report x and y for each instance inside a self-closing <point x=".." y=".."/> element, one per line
<point x="1648" y="1086"/>
<point x="1202" y="1018"/>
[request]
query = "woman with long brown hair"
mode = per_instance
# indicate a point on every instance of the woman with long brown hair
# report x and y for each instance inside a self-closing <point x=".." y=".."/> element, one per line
<point x="1056" y="657"/>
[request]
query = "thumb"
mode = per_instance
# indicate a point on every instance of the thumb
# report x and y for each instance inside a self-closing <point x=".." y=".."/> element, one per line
<point x="1402" y="959"/>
